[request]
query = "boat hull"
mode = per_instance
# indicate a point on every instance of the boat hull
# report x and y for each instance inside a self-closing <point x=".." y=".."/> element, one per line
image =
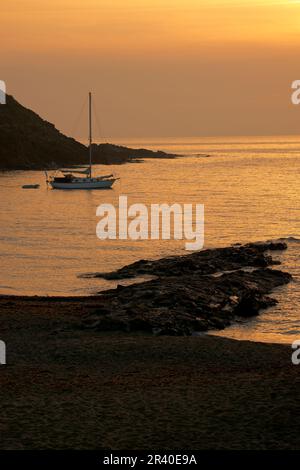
<point x="100" y="184"/>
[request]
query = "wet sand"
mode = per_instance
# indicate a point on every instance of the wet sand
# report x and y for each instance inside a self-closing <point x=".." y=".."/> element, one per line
<point x="68" y="388"/>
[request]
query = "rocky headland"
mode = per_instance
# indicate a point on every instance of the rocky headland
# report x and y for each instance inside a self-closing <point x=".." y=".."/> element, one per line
<point x="29" y="142"/>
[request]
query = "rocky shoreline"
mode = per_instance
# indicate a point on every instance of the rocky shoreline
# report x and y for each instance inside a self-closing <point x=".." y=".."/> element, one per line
<point x="71" y="383"/>
<point x="197" y="292"/>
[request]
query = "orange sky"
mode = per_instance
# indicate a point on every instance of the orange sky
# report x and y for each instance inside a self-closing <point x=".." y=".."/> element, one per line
<point x="156" y="67"/>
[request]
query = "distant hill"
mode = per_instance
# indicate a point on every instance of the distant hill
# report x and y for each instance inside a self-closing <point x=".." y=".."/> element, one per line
<point x="29" y="142"/>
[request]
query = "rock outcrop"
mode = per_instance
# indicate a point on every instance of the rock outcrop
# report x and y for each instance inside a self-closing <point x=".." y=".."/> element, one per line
<point x="197" y="292"/>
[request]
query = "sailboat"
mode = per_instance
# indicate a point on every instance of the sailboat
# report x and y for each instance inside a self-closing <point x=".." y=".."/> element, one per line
<point x="69" y="180"/>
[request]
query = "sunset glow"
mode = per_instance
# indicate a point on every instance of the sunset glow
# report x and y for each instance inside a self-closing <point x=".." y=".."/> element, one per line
<point x="168" y="55"/>
<point x="135" y="27"/>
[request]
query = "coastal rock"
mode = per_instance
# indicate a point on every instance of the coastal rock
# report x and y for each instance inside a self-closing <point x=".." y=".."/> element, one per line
<point x="197" y="292"/>
<point x="203" y="262"/>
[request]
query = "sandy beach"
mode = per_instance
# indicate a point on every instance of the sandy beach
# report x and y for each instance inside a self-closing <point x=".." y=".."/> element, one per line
<point x="68" y="388"/>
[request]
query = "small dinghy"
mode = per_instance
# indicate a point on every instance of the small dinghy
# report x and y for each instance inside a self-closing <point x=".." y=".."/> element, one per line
<point x="30" y="186"/>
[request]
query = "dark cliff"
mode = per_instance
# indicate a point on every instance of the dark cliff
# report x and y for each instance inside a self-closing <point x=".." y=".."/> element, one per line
<point x="29" y="142"/>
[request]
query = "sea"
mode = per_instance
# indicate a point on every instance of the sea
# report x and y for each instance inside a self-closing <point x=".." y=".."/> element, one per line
<point x="250" y="189"/>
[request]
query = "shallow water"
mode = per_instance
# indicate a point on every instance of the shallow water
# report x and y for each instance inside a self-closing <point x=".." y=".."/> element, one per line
<point x="279" y="324"/>
<point x="250" y="189"/>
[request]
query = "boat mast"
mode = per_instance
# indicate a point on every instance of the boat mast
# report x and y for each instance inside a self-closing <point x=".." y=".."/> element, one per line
<point x="90" y="132"/>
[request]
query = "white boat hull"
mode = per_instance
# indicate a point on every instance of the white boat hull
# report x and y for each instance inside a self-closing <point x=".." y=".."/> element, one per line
<point x="83" y="184"/>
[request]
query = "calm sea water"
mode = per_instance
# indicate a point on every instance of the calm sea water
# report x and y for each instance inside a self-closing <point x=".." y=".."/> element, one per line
<point x="250" y="189"/>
